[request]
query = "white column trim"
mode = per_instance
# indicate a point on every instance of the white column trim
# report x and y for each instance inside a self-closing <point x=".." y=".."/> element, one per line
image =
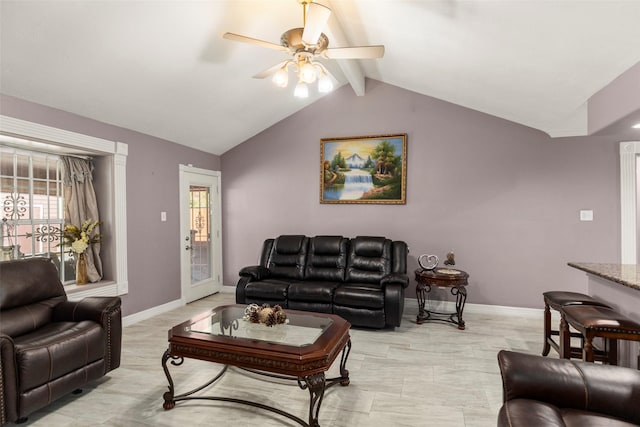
<point x="120" y="215"/>
<point x="628" y="203"/>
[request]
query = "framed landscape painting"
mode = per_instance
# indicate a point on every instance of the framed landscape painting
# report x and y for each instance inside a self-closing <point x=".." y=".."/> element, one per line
<point x="364" y="169"/>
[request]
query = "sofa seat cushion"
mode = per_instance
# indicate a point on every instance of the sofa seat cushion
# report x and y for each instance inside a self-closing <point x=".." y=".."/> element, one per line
<point x="312" y="291"/>
<point x="318" y="307"/>
<point x="269" y="289"/>
<point x="55" y="350"/>
<point x="358" y="316"/>
<point x="359" y="295"/>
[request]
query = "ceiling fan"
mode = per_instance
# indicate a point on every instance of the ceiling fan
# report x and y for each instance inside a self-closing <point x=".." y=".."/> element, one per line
<point x="306" y="45"/>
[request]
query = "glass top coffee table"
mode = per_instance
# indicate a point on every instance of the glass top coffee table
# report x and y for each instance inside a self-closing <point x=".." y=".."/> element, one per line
<point x="302" y="349"/>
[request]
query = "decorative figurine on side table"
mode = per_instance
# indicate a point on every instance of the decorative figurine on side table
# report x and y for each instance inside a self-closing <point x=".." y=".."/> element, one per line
<point x="428" y="262"/>
<point x="451" y="259"/>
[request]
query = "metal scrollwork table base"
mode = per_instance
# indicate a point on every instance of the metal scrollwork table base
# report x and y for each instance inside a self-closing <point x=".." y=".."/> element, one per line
<point x="305" y="364"/>
<point x="456" y="280"/>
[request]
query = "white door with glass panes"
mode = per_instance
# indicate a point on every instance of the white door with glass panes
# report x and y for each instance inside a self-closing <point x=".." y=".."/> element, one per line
<point x="200" y="233"/>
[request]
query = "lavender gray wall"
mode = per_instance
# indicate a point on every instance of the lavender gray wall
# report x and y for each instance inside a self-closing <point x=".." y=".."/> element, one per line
<point x="152" y="187"/>
<point x="504" y="197"/>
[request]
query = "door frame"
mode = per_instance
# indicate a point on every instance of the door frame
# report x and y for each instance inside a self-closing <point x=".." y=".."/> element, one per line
<point x="216" y="230"/>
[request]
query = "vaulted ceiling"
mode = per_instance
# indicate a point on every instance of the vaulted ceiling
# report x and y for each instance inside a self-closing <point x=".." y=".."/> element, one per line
<point x="162" y="68"/>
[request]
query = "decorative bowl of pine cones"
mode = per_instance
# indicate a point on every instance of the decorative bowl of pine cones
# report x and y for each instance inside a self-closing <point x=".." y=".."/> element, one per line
<point x="265" y="314"/>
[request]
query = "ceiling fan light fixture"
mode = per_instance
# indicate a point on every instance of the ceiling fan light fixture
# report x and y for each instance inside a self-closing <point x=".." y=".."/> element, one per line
<point x="281" y="77"/>
<point x="301" y="90"/>
<point x="325" y="85"/>
<point x="307" y="72"/>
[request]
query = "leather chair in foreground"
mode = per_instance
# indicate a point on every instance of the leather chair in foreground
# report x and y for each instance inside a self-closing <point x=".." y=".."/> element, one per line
<point x="541" y="392"/>
<point x="50" y="346"/>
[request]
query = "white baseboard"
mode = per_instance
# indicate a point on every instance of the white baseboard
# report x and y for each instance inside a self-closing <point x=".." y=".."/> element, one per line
<point x="409" y="303"/>
<point x="504" y="310"/>
<point x="153" y="311"/>
<point x="501" y="310"/>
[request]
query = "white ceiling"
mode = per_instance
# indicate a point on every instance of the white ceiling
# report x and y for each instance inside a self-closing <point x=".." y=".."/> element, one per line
<point x="161" y="67"/>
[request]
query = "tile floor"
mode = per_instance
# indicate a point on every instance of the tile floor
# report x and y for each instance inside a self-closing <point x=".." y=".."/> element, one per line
<point x="416" y="375"/>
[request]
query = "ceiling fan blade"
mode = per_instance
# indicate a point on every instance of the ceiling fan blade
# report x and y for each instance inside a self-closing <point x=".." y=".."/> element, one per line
<point x="245" y="39"/>
<point x="317" y="17"/>
<point x="356" y="52"/>
<point x="271" y="70"/>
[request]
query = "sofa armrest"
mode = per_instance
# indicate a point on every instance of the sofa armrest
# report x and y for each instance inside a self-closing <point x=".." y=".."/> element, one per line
<point x="605" y="389"/>
<point x="395" y="278"/>
<point x="255" y="272"/>
<point x="393" y="304"/>
<point x="103" y="310"/>
<point x="8" y="381"/>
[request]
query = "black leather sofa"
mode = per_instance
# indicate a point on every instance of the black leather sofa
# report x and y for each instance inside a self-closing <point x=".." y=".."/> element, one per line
<point x="50" y="346"/>
<point x="361" y="279"/>
<point x="544" y="392"/>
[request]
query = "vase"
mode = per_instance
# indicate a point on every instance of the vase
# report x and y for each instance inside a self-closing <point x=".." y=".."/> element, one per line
<point x="81" y="270"/>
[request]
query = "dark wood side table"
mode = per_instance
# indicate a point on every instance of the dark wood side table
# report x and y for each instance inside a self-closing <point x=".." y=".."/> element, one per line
<point x="445" y="278"/>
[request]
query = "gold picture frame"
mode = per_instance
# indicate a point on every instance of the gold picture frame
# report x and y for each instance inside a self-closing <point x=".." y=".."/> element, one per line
<point x="364" y="169"/>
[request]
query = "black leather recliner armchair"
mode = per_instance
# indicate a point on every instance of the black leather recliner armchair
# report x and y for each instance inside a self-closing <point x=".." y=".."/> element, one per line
<point x="361" y="279"/>
<point x="50" y="346"/>
<point x="543" y="392"/>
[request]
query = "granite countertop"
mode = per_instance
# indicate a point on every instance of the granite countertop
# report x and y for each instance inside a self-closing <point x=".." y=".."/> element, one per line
<point x="625" y="274"/>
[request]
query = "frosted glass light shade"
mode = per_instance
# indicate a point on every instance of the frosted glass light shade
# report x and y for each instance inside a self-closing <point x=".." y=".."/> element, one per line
<point x="307" y="72"/>
<point x="325" y="84"/>
<point x="301" y="90"/>
<point x="281" y="78"/>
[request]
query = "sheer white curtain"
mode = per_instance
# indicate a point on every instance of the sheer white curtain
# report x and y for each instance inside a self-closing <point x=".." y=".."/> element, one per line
<point x="81" y="205"/>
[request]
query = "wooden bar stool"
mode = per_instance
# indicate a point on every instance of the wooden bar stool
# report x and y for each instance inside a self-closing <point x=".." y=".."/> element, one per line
<point x="592" y="322"/>
<point x="556" y="300"/>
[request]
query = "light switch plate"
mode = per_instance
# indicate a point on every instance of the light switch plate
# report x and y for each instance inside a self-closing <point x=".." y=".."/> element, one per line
<point x="163" y="216"/>
<point x="586" y="215"/>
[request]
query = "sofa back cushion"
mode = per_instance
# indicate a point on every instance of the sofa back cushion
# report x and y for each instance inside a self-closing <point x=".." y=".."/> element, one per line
<point x="327" y="258"/>
<point x="369" y="259"/>
<point x="288" y="256"/>
<point x="29" y="290"/>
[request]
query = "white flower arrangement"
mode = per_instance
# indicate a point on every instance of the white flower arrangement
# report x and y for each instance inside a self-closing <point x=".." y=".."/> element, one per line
<point x="78" y="239"/>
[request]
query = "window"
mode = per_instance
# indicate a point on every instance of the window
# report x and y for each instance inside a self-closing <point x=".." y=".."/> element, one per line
<point x="31" y="197"/>
<point x="110" y="158"/>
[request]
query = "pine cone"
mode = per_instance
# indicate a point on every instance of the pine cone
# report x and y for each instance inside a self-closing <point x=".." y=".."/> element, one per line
<point x="265" y="313"/>
<point x="281" y="317"/>
<point x="271" y="319"/>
